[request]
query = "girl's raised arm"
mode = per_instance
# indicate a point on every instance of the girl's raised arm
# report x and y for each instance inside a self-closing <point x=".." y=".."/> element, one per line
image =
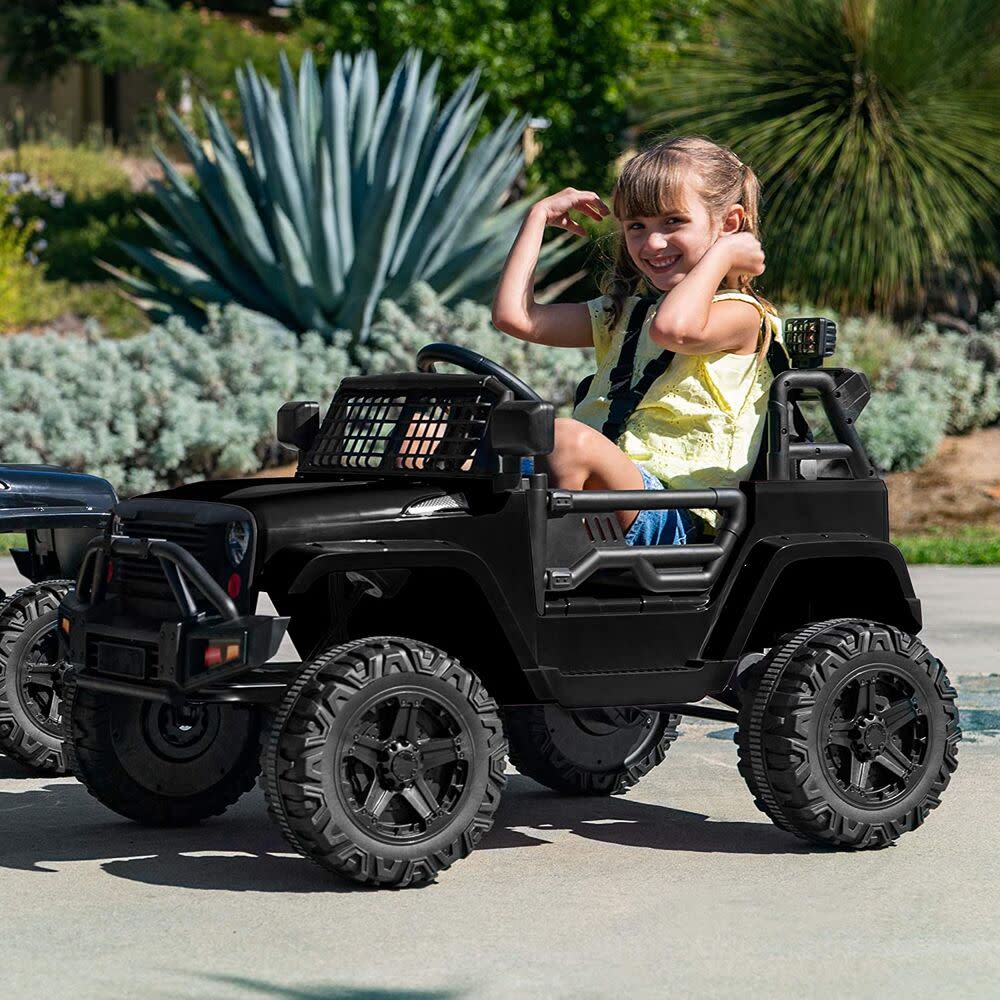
<point x="515" y="311"/>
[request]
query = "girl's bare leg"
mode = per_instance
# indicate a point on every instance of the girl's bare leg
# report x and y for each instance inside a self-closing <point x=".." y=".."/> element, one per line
<point x="584" y="459"/>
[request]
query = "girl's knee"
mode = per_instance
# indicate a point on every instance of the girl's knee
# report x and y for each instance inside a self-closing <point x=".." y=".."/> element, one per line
<point x="570" y="438"/>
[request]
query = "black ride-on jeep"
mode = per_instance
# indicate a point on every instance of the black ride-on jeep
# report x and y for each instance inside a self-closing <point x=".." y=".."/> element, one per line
<point x="444" y="604"/>
<point x="59" y="512"/>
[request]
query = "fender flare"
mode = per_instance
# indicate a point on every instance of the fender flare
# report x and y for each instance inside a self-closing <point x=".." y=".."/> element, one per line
<point x="317" y="560"/>
<point x="771" y="557"/>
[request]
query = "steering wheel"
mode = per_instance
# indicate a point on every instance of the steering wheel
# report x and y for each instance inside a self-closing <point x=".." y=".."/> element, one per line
<point x="452" y="354"/>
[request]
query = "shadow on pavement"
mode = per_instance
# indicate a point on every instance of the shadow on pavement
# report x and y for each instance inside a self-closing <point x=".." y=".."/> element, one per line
<point x="244" y="851"/>
<point x="255" y="987"/>
<point x="628" y="823"/>
<point x="10" y="768"/>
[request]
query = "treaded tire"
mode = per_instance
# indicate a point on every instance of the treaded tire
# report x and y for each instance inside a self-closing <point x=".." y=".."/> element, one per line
<point x="557" y="748"/>
<point x="388" y="692"/>
<point x="101" y="729"/>
<point x="20" y="736"/>
<point x="786" y="733"/>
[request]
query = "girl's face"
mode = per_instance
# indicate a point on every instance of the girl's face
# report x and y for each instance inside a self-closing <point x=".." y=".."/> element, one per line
<point x="665" y="247"/>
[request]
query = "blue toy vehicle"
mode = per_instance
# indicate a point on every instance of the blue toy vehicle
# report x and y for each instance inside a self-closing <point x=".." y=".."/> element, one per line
<point x="60" y="512"/>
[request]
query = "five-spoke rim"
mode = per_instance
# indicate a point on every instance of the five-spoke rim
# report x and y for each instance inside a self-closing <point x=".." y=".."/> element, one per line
<point x="876" y="737"/>
<point x="36" y="686"/>
<point x="405" y="765"/>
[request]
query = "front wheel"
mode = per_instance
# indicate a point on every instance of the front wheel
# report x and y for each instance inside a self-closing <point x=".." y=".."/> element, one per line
<point x="385" y="762"/>
<point x="848" y="733"/>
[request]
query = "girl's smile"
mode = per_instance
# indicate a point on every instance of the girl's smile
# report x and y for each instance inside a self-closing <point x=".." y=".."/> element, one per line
<point x="665" y="247"/>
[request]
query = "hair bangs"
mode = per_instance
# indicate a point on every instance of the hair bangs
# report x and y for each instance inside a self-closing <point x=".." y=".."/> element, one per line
<point x="651" y="184"/>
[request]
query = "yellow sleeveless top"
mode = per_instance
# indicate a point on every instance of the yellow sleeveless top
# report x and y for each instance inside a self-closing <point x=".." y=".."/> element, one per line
<point x="699" y="426"/>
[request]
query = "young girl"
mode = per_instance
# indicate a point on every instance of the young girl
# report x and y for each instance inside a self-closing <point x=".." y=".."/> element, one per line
<point x="688" y="211"/>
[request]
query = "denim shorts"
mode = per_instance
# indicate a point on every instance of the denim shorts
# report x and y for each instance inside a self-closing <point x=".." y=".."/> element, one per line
<point x="659" y="527"/>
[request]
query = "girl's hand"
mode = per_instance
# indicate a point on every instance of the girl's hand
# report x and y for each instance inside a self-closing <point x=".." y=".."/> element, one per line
<point x="556" y="208"/>
<point x="746" y="256"/>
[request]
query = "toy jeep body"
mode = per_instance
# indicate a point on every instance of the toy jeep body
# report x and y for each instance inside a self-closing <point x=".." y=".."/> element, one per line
<point x="444" y="603"/>
<point x="59" y="512"/>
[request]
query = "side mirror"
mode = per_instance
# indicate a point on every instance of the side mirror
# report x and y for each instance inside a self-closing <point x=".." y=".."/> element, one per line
<point x="298" y="424"/>
<point x="522" y="428"/>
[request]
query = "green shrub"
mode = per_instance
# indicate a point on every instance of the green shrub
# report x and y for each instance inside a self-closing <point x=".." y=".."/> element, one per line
<point x="162" y="408"/>
<point x="403" y="328"/>
<point x="85" y="201"/>
<point x="924" y="386"/>
<point x="173" y="405"/>
<point x="970" y="391"/>
<point x="873" y="126"/>
<point x="77" y="171"/>
<point x="20" y="275"/>
<point x="905" y="420"/>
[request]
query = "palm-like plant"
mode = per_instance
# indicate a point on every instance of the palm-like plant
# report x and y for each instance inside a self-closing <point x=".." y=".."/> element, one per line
<point x="344" y="197"/>
<point x="874" y="127"/>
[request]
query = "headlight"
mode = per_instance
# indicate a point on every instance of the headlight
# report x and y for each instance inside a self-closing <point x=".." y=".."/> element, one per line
<point x="237" y="541"/>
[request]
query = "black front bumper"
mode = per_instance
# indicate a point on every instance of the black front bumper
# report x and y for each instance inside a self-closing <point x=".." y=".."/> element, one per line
<point x="101" y="641"/>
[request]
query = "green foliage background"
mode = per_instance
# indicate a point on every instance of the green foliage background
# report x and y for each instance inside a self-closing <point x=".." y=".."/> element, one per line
<point x="875" y="128"/>
<point x="573" y="61"/>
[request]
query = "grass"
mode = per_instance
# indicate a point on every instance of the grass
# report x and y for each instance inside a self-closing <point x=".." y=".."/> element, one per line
<point x="967" y="547"/>
<point x="8" y="542"/>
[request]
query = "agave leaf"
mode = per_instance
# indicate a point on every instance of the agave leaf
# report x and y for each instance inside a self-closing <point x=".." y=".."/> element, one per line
<point x="298" y="283"/>
<point x="225" y="147"/>
<point x="336" y="132"/>
<point x="187" y="278"/>
<point x="310" y="112"/>
<point x="330" y="284"/>
<point x="297" y="132"/>
<point x="187" y="211"/>
<point x="156" y="303"/>
<point x="349" y="194"/>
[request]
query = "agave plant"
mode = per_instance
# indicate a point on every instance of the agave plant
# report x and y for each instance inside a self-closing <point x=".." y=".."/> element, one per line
<point x="874" y="127"/>
<point x="344" y="197"/>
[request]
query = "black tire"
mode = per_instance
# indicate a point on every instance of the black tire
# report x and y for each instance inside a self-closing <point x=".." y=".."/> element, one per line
<point x="30" y="702"/>
<point x="152" y="765"/>
<point x="588" y="752"/>
<point x="348" y="772"/>
<point x="848" y="733"/>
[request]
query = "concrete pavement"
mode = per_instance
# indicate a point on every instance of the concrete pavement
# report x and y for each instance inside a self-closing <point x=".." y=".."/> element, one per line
<point x="679" y="888"/>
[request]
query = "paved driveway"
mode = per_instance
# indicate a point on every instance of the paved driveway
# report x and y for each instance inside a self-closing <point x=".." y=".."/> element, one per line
<point x="681" y="888"/>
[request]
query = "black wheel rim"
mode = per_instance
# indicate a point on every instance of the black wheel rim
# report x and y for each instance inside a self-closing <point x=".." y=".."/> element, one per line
<point x="603" y="739"/>
<point x="404" y="765"/>
<point x="179" y="734"/>
<point x="876" y="737"/>
<point x="37" y="687"/>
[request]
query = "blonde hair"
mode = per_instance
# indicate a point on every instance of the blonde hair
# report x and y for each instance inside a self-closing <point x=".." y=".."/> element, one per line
<point x="648" y="185"/>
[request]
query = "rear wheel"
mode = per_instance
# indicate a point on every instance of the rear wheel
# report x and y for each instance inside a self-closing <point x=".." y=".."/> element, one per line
<point x="602" y="751"/>
<point x="385" y="762"/>
<point x="848" y="734"/>
<point x="158" y="764"/>
<point x="30" y="701"/>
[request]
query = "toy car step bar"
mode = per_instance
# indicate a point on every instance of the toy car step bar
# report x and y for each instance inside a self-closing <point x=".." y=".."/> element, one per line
<point x="661" y="569"/>
<point x="180" y="569"/>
